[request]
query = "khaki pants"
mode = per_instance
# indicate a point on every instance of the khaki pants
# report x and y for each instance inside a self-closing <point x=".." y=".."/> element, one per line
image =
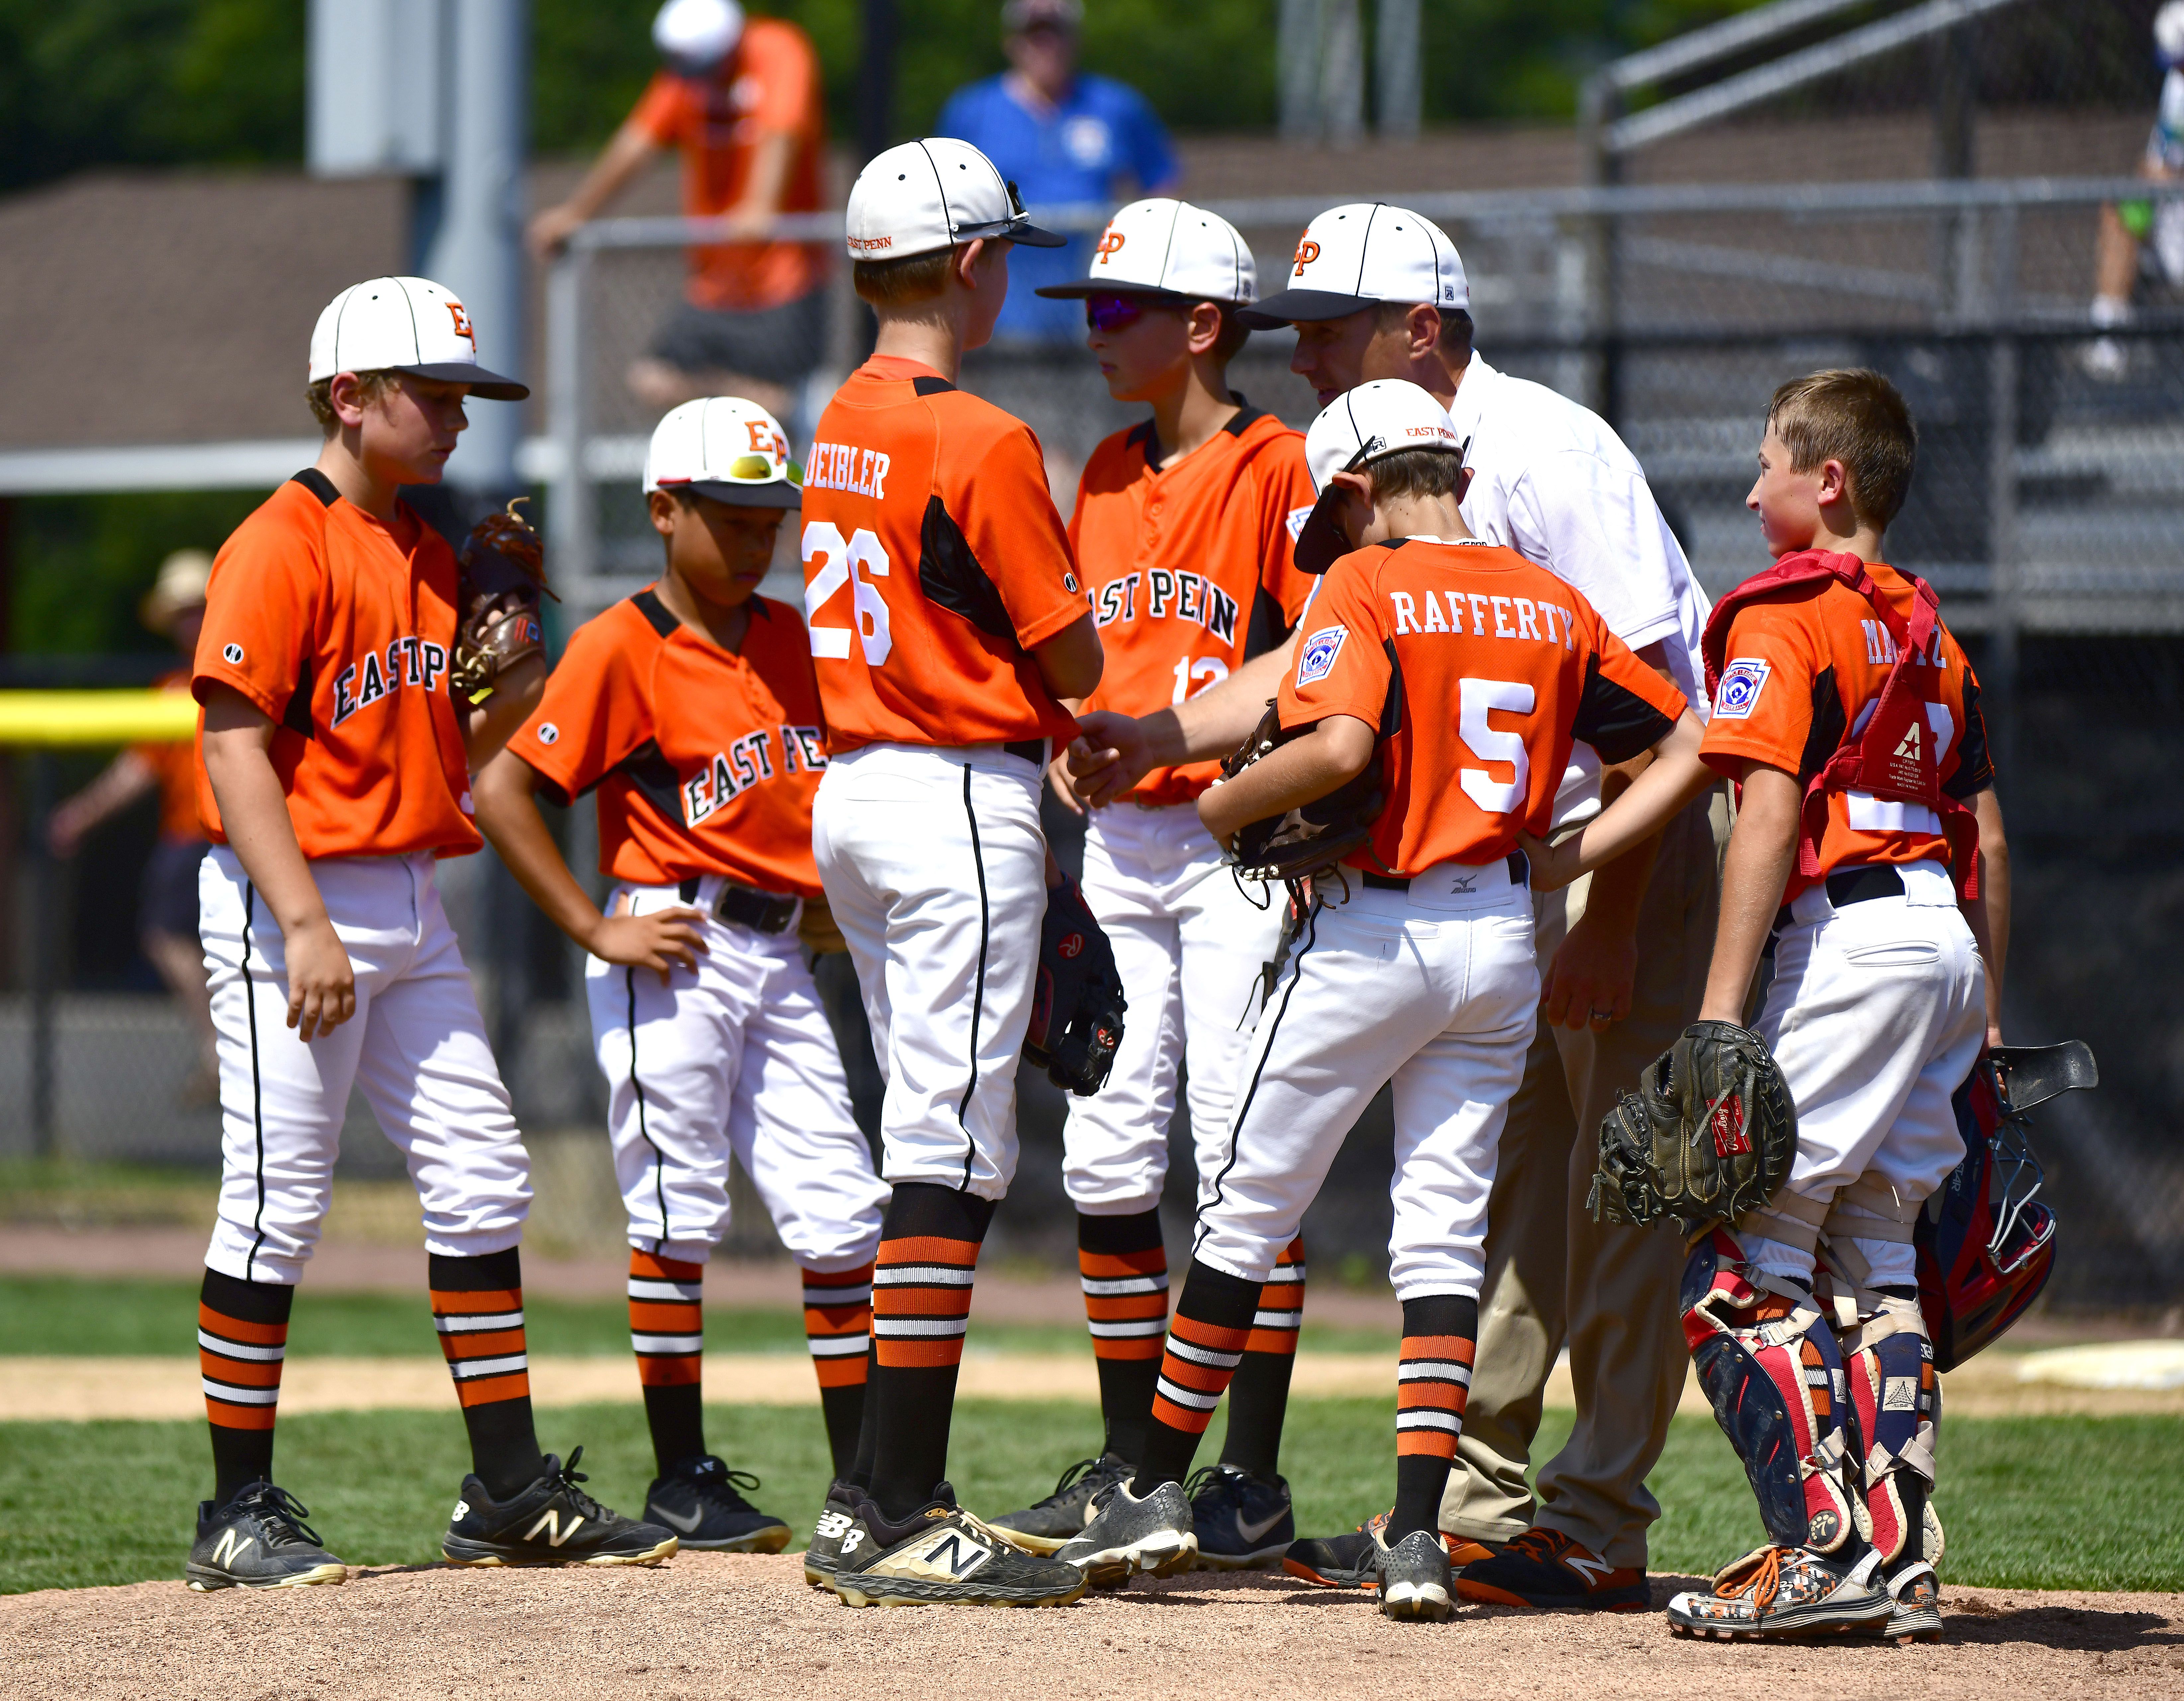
<point x="1554" y="1276"/>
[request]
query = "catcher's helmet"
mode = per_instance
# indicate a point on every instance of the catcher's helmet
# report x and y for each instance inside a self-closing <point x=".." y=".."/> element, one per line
<point x="1985" y="1243"/>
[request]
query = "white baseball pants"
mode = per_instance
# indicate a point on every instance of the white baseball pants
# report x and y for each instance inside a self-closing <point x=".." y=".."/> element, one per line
<point x="1189" y="945"/>
<point x="415" y="1047"/>
<point x="935" y="870"/>
<point x="1875" y="1013"/>
<point x="733" y="1057"/>
<point x="1436" y="988"/>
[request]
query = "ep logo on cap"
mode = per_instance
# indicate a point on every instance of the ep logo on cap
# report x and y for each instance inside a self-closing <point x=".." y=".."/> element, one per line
<point x="1357" y="256"/>
<point x="1168" y="247"/>
<point x="924" y="195"/>
<point x="725" y="448"/>
<point x="1387" y="417"/>
<point x="404" y="324"/>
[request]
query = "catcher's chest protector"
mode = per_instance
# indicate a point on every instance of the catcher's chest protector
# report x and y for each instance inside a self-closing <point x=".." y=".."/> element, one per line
<point x="1893" y="748"/>
<point x="1775" y="1377"/>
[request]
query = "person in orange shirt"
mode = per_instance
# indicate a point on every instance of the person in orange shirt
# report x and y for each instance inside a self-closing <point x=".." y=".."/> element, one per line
<point x="333" y="772"/>
<point x="1869" y="877"/>
<point x="1183" y="530"/>
<point x="691" y="709"/>
<point x="1466" y="673"/>
<point x="167" y="899"/>
<point x="741" y="99"/>
<point x="948" y="625"/>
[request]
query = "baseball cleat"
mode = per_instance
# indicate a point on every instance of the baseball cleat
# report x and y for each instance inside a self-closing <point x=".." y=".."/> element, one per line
<point x="698" y="1502"/>
<point x="1914" y="1595"/>
<point x="1348" y="1562"/>
<point x="1243" y="1522"/>
<point x="941" y="1555"/>
<point x="1413" y="1577"/>
<point x="1045" y="1526"/>
<point x="825" y="1548"/>
<point x="551" y="1522"/>
<point x="1784" y="1592"/>
<point x="259" y="1541"/>
<point x="1128" y="1534"/>
<point x="1544" y="1568"/>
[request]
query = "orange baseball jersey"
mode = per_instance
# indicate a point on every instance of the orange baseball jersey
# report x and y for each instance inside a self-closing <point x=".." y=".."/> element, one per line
<point x="706" y="762"/>
<point x="1481" y="670"/>
<point x="339" y="630"/>
<point x="934" y="563"/>
<point x="1810" y="660"/>
<point x="1189" y="566"/>
<point x="769" y="85"/>
<point x="175" y="766"/>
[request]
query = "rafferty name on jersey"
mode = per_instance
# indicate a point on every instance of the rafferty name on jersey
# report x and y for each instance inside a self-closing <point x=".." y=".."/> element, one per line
<point x="734" y="771"/>
<point x="1161" y="595"/>
<point x="845" y="467"/>
<point x="407" y="662"/>
<point x="1472" y="614"/>
<point x="1880" y="646"/>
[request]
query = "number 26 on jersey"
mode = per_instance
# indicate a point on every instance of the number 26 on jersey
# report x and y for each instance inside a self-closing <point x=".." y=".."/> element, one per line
<point x="855" y="564"/>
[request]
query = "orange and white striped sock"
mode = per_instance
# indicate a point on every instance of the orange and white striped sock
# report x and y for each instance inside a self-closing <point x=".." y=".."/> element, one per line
<point x="667" y="1332"/>
<point x="477" y="1307"/>
<point x="1259" y="1399"/>
<point x="928" y="1257"/>
<point x="838" y="1327"/>
<point x="1204" y="1344"/>
<point x="1122" y="1263"/>
<point x="1433" y="1380"/>
<point x="242" y="1340"/>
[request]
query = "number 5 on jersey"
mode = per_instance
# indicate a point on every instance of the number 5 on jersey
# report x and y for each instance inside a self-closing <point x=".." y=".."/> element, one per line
<point x="856" y="563"/>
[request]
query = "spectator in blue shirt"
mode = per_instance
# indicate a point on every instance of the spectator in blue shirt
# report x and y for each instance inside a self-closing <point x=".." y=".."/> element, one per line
<point x="1062" y="136"/>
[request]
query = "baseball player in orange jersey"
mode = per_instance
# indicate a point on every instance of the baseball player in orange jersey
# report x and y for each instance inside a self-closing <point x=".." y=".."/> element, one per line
<point x="1183" y="530"/>
<point x="947" y="625"/>
<point x="334" y="771"/>
<point x="1868" y="882"/>
<point x="1423" y="972"/>
<point x="691" y="709"/>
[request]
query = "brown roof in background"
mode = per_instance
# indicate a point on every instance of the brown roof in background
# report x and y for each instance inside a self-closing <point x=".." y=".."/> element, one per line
<point x="177" y="307"/>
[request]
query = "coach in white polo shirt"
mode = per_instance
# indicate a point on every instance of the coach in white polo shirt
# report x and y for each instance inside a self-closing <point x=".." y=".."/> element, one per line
<point x="1377" y="292"/>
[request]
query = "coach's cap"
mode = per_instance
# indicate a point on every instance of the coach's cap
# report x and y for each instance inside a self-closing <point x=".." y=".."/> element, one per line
<point x="405" y="324"/>
<point x="1168" y="247"/>
<point x="1358" y="427"/>
<point x="922" y="195"/>
<point x="694" y="35"/>
<point x="725" y="448"/>
<point x="183" y="576"/>
<point x="1357" y="256"/>
<point x="1020" y="15"/>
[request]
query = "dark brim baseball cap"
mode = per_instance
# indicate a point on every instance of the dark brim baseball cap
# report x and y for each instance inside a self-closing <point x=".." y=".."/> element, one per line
<point x="1301" y="306"/>
<point x="1079" y="292"/>
<point x="490" y="386"/>
<point x="1321" y="543"/>
<point x="779" y="495"/>
<point x="1015" y="231"/>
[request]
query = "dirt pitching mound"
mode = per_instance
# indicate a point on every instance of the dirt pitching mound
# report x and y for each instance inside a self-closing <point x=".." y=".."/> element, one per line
<point x="709" y="1625"/>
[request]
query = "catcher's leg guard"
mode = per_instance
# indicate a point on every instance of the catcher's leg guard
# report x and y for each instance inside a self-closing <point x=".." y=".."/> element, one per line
<point x="1889" y="1361"/>
<point x="1774" y="1374"/>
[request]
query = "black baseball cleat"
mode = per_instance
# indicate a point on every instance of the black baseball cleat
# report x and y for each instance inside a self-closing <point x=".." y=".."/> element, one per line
<point x="941" y="1555"/>
<point x="1042" y="1528"/>
<point x="824" y="1551"/>
<point x="259" y="1541"/>
<point x="1352" y="1561"/>
<point x="1244" y="1522"/>
<point x="1413" y="1577"/>
<point x="1545" y="1570"/>
<point x="698" y="1502"/>
<point x="551" y="1522"/>
<point x="1128" y="1534"/>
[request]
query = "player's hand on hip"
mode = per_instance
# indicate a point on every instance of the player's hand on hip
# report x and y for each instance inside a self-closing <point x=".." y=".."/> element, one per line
<point x="1551" y="868"/>
<point x="1057" y="779"/>
<point x="1108" y="757"/>
<point x="322" y="983"/>
<point x="1589" y="981"/>
<point x="663" y="940"/>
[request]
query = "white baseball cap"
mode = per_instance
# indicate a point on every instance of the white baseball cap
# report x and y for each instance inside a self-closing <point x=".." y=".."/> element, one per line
<point x="1164" y="247"/>
<point x="922" y="195"/>
<point x="407" y="324"/>
<point x="1358" y="427"/>
<point x="2169" y="35"/>
<point x="693" y="36"/>
<point x="1369" y="252"/>
<point x="725" y="448"/>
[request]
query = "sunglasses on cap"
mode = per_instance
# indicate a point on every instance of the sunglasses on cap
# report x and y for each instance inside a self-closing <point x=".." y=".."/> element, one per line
<point x="759" y="469"/>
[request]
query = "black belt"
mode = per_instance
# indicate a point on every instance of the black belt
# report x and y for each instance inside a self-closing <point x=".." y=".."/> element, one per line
<point x="1855" y="886"/>
<point x="1519" y="870"/>
<point x="763" y="912"/>
<point x="1033" y="750"/>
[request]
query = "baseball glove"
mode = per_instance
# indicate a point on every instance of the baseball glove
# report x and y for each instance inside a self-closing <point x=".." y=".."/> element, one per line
<point x="1708" y="1135"/>
<point x="1313" y="837"/>
<point x="503" y="576"/>
<point x="1077" y="1001"/>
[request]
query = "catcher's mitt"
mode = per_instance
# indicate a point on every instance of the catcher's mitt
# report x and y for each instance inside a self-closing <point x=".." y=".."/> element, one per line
<point x="1077" y="1001"/>
<point x="1708" y="1135"/>
<point x="503" y="576"/>
<point x="1312" y="838"/>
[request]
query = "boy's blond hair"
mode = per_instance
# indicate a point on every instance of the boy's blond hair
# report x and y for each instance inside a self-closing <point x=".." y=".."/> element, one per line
<point x="372" y="387"/>
<point x="1854" y="416"/>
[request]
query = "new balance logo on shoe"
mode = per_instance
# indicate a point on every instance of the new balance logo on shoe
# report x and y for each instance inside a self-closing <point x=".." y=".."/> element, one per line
<point x="1592" y="1570"/>
<point x="950" y="1554"/>
<point x="851" y="1540"/>
<point x="549" y="1521"/>
<point x="832" y="1524"/>
<point x="462" y="1511"/>
<point x="232" y="1545"/>
<point x="687" y="1525"/>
